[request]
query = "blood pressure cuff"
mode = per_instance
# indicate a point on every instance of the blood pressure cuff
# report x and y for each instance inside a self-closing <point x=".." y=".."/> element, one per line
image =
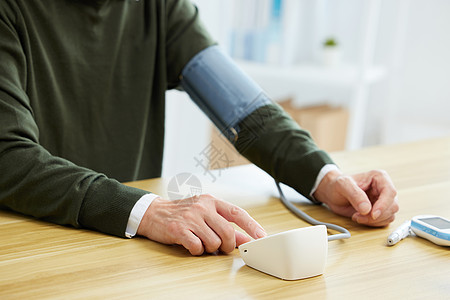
<point x="222" y="90"/>
<point x="258" y="127"/>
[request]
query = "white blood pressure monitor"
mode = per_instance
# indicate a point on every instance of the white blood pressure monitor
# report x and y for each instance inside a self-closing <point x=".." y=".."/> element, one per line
<point x="433" y="228"/>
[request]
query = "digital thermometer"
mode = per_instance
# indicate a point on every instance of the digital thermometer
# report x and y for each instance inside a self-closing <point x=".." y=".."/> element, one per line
<point x="433" y="228"/>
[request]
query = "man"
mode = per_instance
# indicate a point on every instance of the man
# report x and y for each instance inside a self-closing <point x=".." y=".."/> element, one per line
<point x="82" y="87"/>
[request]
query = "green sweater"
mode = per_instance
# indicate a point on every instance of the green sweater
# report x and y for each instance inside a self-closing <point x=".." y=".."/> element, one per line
<point x="82" y="90"/>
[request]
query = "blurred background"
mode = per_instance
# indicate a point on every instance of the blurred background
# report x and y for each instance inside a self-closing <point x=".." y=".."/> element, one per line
<point x="355" y="73"/>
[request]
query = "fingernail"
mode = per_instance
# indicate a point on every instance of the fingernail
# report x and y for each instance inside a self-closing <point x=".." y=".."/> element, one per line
<point x="364" y="207"/>
<point x="376" y="214"/>
<point x="260" y="233"/>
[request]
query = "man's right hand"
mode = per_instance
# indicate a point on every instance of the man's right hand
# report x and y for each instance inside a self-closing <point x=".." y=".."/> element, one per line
<point x="200" y="223"/>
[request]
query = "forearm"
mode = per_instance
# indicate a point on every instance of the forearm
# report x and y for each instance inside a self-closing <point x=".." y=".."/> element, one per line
<point x="273" y="141"/>
<point x="35" y="183"/>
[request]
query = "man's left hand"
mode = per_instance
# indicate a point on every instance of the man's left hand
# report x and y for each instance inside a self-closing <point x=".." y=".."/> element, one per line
<point x="368" y="198"/>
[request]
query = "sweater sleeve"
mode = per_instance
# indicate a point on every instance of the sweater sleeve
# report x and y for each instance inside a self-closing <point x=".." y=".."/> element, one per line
<point x="274" y="142"/>
<point x="186" y="36"/>
<point x="32" y="180"/>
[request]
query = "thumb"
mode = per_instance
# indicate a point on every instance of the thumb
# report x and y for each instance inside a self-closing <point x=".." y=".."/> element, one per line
<point x="356" y="196"/>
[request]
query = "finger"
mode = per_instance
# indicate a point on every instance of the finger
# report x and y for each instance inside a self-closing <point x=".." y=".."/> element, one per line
<point x="369" y="221"/>
<point x="346" y="210"/>
<point x="382" y="190"/>
<point x="356" y="196"/>
<point x="384" y="219"/>
<point x="191" y="242"/>
<point x="363" y="180"/>
<point x="211" y="242"/>
<point x="241" y="238"/>
<point x="388" y="214"/>
<point x="224" y="230"/>
<point x="241" y="218"/>
<point x="387" y="201"/>
<point x="382" y="208"/>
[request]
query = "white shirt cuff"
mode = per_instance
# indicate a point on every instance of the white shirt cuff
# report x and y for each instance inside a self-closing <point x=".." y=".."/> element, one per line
<point x="324" y="171"/>
<point x="137" y="213"/>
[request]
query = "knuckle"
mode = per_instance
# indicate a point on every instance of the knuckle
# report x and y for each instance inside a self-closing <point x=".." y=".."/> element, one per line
<point x="251" y="225"/>
<point x="341" y="180"/>
<point x="344" y="180"/>
<point x="195" y="199"/>
<point x="208" y="196"/>
<point x="228" y="240"/>
<point x="395" y="207"/>
<point x="394" y="194"/>
<point x="227" y="249"/>
<point x="236" y="210"/>
<point x="200" y="207"/>
<point x="379" y="172"/>
<point x="228" y="232"/>
<point x="213" y="245"/>
<point x="384" y="173"/>
<point x="187" y="215"/>
<point x="195" y="246"/>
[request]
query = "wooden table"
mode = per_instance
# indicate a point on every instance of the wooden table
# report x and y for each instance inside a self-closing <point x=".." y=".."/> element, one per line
<point x="42" y="260"/>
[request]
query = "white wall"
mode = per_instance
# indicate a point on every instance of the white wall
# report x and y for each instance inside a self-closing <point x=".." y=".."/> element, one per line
<point x="187" y="135"/>
<point x="420" y="99"/>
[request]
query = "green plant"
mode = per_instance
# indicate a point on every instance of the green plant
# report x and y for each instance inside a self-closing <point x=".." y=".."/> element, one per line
<point x="330" y="42"/>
